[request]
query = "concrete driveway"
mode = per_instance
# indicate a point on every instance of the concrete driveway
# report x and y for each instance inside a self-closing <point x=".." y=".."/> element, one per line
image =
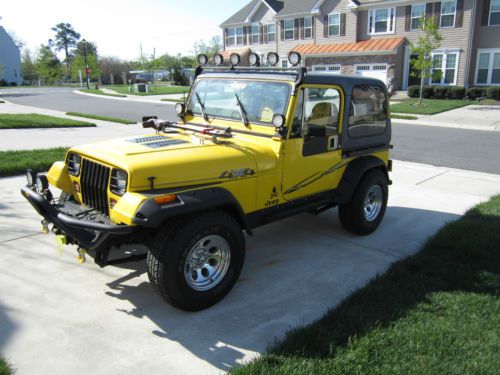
<point x="60" y="317"/>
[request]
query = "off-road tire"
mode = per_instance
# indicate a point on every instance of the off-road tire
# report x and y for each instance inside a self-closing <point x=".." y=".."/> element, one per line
<point x="352" y="215"/>
<point x="166" y="260"/>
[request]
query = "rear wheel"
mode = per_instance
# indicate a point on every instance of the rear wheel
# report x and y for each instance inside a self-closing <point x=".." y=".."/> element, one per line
<point x="195" y="262"/>
<point x="366" y="209"/>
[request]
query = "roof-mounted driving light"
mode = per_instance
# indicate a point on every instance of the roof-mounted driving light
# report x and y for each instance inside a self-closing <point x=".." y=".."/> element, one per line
<point x="235" y="59"/>
<point x="273" y="58"/>
<point x="218" y="59"/>
<point x="30" y="178"/>
<point x="202" y="59"/>
<point x="254" y="59"/>
<point x="294" y="58"/>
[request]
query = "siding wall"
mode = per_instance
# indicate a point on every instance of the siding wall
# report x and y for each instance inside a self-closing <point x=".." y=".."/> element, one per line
<point x="331" y="6"/>
<point x="453" y="38"/>
<point x="10" y="59"/>
<point x="484" y="37"/>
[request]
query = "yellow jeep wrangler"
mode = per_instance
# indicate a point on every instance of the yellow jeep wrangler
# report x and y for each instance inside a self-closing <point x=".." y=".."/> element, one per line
<point x="253" y="145"/>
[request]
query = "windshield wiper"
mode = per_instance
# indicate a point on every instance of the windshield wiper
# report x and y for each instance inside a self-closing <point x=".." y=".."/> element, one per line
<point x="243" y="112"/>
<point x="202" y="106"/>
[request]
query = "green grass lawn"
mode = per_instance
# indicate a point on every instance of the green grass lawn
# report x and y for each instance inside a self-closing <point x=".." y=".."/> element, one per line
<point x="32" y="120"/>
<point x="428" y="106"/>
<point x="158" y="90"/>
<point x="437" y="312"/>
<point x="16" y="162"/>
<point x="403" y="117"/>
<point x="99" y="92"/>
<point x="103" y="118"/>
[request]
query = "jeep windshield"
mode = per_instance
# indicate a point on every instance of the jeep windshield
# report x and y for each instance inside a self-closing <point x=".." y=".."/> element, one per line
<point x="260" y="100"/>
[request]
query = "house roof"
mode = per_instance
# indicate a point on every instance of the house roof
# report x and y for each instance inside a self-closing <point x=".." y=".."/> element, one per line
<point x="386" y="45"/>
<point x="241" y="15"/>
<point x="296" y="7"/>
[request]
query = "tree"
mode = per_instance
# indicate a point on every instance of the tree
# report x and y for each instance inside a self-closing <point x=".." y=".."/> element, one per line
<point x="113" y="70"/>
<point x="426" y="43"/>
<point x="78" y="60"/>
<point x="29" y="66"/>
<point x="212" y="47"/>
<point x="48" y="64"/>
<point x="66" y="37"/>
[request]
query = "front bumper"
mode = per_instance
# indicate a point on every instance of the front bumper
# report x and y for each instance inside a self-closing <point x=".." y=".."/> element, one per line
<point x="91" y="235"/>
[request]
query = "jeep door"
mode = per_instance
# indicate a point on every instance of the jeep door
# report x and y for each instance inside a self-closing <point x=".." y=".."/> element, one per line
<point x="312" y="157"/>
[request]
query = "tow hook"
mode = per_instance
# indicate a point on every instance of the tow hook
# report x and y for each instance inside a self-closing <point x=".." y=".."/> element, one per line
<point x="45" y="226"/>
<point x="81" y="255"/>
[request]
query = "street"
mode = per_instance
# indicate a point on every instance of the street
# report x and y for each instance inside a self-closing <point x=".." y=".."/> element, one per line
<point x="446" y="147"/>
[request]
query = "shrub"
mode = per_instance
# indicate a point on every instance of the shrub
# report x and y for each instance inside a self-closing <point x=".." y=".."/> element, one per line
<point x="12" y="84"/>
<point x="441" y="92"/>
<point x="427" y="92"/>
<point x="493" y="93"/>
<point x="457" y="92"/>
<point x="414" y="91"/>
<point x="475" y="92"/>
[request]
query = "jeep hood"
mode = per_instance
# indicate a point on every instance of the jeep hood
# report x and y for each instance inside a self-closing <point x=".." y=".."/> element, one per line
<point x="179" y="160"/>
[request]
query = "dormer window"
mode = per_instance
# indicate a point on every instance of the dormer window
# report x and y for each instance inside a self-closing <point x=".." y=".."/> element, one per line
<point x="381" y="21"/>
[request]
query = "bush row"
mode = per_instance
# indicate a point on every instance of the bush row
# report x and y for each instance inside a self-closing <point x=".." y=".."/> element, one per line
<point x="454" y="92"/>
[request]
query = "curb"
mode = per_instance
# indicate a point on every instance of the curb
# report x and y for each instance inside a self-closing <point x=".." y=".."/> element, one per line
<point x="489" y="128"/>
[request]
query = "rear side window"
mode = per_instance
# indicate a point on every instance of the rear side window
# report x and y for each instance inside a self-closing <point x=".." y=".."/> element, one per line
<point x="368" y="114"/>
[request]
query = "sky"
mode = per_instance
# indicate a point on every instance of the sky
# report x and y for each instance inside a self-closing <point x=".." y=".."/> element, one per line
<point x="119" y="27"/>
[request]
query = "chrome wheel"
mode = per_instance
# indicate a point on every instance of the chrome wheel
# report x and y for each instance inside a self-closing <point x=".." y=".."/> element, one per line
<point x="207" y="263"/>
<point x="373" y="203"/>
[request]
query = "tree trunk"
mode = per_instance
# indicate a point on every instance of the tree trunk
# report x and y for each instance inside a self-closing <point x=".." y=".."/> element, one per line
<point x="421" y="86"/>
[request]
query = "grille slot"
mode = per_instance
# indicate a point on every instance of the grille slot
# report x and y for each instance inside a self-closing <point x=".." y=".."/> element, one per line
<point x="94" y="183"/>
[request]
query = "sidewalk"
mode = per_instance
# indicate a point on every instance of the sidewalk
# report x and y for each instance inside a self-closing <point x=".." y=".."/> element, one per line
<point x="472" y="117"/>
<point x="60" y="317"/>
<point x="28" y="139"/>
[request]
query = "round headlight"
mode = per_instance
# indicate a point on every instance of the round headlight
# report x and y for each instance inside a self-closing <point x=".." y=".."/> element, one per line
<point x="179" y="108"/>
<point x="42" y="183"/>
<point x="278" y="121"/>
<point x="202" y="59"/>
<point x="30" y="178"/>
<point x="118" y="183"/>
<point x="294" y="58"/>
<point x="218" y="59"/>
<point x="254" y="59"/>
<point x="74" y="164"/>
<point x="235" y="59"/>
<point x="273" y="58"/>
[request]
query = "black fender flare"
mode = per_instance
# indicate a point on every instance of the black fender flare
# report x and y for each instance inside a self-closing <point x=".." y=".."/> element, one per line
<point x="152" y="215"/>
<point x="353" y="174"/>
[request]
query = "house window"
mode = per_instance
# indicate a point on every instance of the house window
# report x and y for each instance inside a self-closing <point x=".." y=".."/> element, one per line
<point x="308" y="27"/>
<point x="289" y="29"/>
<point x="234" y="36"/>
<point x="417" y="12"/>
<point x="494" y="13"/>
<point x="444" y="68"/>
<point x="381" y="21"/>
<point x="488" y="67"/>
<point x="271" y="32"/>
<point x="334" y="24"/>
<point x="448" y="10"/>
<point x="255" y="33"/>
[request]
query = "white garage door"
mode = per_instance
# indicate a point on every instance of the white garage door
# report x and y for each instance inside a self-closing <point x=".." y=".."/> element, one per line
<point x="378" y="71"/>
<point x="326" y="69"/>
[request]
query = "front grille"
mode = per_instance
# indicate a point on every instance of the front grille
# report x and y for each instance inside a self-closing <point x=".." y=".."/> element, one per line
<point x="94" y="184"/>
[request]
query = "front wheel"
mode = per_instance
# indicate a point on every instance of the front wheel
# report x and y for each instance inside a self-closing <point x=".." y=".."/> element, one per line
<point x="366" y="209"/>
<point x="195" y="262"/>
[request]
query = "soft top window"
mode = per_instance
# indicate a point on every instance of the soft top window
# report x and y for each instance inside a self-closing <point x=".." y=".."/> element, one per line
<point x="368" y="112"/>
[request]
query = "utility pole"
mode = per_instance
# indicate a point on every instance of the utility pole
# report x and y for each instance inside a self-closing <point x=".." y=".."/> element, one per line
<point x="87" y="69"/>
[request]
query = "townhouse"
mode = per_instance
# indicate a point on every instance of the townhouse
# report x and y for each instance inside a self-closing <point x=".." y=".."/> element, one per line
<point x="373" y="37"/>
<point x="10" y="60"/>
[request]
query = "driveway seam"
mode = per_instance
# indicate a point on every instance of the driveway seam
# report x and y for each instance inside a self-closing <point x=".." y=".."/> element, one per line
<point x="430" y="178"/>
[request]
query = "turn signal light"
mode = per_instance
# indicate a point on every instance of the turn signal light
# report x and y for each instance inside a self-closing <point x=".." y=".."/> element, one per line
<point x="165" y="199"/>
<point x="76" y="186"/>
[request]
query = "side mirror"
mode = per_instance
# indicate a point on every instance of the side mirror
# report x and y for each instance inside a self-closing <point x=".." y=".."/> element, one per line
<point x="316" y="131"/>
<point x="180" y="108"/>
